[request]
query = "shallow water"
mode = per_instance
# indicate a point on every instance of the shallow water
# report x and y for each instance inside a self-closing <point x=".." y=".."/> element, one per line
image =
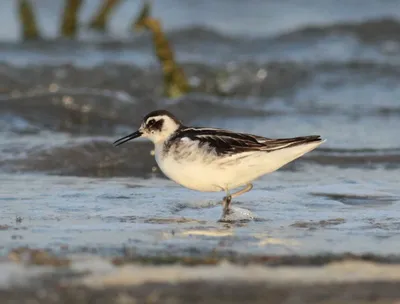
<point x="331" y="69"/>
<point x="296" y="212"/>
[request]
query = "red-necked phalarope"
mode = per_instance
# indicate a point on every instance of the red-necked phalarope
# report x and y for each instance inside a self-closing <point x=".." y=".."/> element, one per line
<point x="209" y="159"/>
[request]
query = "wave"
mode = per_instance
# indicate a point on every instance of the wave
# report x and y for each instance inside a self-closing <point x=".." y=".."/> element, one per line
<point x="368" y="31"/>
<point x="374" y="39"/>
<point x="93" y="158"/>
<point x="358" y="157"/>
<point x="102" y="100"/>
<point x="99" y="158"/>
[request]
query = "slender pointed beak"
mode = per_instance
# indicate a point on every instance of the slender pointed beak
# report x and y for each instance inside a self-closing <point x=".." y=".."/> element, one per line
<point x="128" y="138"/>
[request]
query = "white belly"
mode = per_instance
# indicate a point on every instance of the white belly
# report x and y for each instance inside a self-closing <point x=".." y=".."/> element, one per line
<point x="194" y="173"/>
<point x="220" y="174"/>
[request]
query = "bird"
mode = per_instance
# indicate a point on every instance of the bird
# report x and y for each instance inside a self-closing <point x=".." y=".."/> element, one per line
<point x="213" y="159"/>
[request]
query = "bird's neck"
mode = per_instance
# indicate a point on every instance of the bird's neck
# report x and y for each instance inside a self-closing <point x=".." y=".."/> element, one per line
<point x="162" y="145"/>
<point x="159" y="150"/>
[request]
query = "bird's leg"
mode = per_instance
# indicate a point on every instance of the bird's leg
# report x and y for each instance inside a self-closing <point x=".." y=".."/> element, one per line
<point x="226" y="203"/>
<point x="244" y="190"/>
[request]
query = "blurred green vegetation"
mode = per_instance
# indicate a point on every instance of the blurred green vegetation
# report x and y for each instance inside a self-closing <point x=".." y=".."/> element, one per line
<point x="175" y="81"/>
<point x="27" y="18"/>
<point x="69" y="25"/>
<point x="99" y="21"/>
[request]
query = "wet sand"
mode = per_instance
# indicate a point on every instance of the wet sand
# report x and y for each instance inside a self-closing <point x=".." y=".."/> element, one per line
<point x="211" y="292"/>
<point x="87" y="279"/>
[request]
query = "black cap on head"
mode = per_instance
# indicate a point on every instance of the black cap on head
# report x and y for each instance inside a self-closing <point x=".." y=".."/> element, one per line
<point x="162" y="112"/>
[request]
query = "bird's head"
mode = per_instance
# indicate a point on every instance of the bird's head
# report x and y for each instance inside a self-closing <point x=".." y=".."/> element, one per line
<point x="156" y="126"/>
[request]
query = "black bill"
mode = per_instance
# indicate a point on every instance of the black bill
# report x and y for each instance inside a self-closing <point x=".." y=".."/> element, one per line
<point x="127" y="138"/>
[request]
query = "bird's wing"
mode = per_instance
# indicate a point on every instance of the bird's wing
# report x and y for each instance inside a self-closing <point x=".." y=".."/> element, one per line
<point x="227" y="142"/>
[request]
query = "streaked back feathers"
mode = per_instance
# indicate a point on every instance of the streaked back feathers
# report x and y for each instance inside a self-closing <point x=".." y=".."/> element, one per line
<point x="226" y="142"/>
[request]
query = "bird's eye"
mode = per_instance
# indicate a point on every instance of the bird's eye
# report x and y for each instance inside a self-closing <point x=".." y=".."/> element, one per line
<point x="150" y="122"/>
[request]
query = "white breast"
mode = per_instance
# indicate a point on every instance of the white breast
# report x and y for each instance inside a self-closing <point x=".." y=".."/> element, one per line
<point x="190" y="170"/>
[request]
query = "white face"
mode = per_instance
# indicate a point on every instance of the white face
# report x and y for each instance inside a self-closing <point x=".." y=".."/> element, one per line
<point x="158" y="128"/>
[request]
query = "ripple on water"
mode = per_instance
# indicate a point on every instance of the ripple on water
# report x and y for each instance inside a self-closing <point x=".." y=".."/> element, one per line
<point x="359" y="199"/>
<point x="312" y="225"/>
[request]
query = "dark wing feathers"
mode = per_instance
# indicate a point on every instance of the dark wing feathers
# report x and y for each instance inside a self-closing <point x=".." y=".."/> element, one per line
<point x="227" y="142"/>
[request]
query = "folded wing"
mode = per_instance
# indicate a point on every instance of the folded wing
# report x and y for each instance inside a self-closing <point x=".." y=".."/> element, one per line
<point x="227" y="142"/>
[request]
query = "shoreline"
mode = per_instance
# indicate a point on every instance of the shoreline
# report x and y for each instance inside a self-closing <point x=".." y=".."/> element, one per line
<point x="83" y="278"/>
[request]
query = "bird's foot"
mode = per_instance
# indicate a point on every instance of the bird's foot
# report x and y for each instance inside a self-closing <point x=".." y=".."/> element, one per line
<point x="226" y="212"/>
<point x="226" y="204"/>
